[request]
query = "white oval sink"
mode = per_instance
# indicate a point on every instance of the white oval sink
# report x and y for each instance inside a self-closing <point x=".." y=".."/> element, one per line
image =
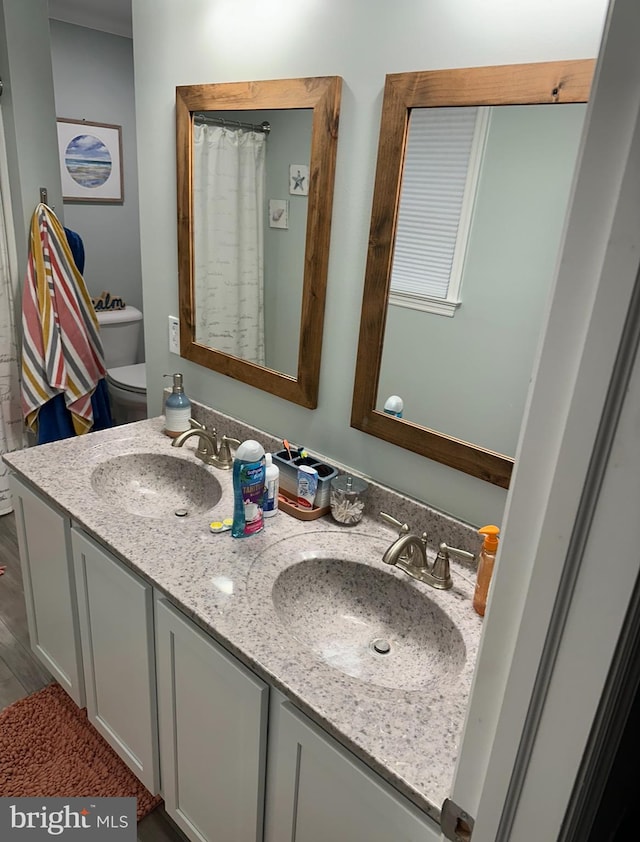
<point x="364" y="620"/>
<point x="156" y="485"/>
<point x="368" y="624"/>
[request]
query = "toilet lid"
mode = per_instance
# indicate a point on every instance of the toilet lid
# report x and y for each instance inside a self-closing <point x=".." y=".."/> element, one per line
<point x="130" y="377"/>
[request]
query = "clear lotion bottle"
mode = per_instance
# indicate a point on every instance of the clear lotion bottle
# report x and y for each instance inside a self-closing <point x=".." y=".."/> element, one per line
<point x="486" y="561"/>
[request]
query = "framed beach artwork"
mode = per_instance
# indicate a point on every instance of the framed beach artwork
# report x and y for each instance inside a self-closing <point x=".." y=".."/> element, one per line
<point x="90" y="161"/>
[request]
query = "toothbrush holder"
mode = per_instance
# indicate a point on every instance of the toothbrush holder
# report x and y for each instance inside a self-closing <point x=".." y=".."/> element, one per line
<point x="289" y="475"/>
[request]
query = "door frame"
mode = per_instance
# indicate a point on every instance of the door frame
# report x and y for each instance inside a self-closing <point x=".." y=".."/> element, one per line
<point x="554" y="496"/>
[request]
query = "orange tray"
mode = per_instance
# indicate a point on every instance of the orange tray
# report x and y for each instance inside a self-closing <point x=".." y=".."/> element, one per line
<point x="288" y="504"/>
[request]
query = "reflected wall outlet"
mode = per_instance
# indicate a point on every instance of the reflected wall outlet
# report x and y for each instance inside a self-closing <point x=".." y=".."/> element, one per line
<point x="174" y="335"/>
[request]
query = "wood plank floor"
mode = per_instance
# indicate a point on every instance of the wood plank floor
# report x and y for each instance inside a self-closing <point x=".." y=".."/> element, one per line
<point x="21" y="673"/>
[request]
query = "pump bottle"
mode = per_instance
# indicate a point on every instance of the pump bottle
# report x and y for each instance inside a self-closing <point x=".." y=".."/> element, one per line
<point x="177" y="409"/>
<point x="271" y="486"/>
<point x="486" y="560"/>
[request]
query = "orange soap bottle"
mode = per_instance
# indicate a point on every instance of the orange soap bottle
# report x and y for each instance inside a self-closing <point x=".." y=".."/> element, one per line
<point x="486" y="560"/>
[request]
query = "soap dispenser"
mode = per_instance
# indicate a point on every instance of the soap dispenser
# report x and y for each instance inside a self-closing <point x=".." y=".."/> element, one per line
<point x="486" y="561"/>
<point x="177" y="409"/>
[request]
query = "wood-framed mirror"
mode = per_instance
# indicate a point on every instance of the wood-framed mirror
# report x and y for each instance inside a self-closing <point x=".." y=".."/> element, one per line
<point x="403" y="341"/>
<point x="259" y="320"/>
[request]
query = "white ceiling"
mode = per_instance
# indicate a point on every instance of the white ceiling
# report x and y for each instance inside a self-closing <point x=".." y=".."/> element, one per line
<point x="106" y="15"/>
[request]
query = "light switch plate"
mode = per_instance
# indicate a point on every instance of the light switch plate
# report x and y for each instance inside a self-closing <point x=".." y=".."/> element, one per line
<point x="174" y="335"/>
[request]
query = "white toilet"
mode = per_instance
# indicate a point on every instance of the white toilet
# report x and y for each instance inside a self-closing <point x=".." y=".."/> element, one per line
<point x="126" y="379"/>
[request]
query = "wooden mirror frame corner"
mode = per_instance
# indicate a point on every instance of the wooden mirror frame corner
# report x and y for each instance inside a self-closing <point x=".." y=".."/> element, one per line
<point x="540" y="83"/>
<point x="322" y="95"/>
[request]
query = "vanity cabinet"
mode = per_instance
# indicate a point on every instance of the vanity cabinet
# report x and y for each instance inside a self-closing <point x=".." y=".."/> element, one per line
<point x="115" y="609"/>
<point x="319" y="791"/>
<point x="234" y="760"/>
<point x="44" y="539"/>
<point x="213" y="733"/>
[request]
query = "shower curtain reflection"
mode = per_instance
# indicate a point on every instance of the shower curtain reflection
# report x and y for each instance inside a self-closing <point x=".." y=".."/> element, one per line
<point x="228" y="210"/>
<point x="11" y="421"/>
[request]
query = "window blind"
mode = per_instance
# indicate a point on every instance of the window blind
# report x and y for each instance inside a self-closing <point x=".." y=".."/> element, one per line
<point x="436" y="168"/>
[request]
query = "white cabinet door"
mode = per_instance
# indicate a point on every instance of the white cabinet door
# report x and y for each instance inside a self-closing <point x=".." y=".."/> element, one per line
<point x="116" y="625"/>
<point x="44" y="538"/>
<point x="318" y="792"/>
<point x="213" y="725"/>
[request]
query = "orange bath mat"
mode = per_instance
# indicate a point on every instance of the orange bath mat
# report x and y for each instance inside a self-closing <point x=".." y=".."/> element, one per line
<point x="49" y="748"/>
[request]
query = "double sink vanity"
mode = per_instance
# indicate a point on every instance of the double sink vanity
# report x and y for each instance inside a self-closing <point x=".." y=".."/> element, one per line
<point x="286" y="686"/>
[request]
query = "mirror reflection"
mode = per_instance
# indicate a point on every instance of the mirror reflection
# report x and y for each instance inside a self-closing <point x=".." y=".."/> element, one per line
<point x="482" y="234"/>
<point x="250" y="197"/>
<point x="254" y="222"/>
<point x="473" y="177"/>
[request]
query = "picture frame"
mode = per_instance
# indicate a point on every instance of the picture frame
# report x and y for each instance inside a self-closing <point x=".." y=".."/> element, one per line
<point x="278" y="213"/>
<point x="90" y="157"/>
<point x="299" y="179"/>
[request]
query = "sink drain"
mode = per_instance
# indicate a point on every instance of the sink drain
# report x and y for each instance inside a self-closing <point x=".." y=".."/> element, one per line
<point x="181" y="512"/>
<point x="381" y="646"/>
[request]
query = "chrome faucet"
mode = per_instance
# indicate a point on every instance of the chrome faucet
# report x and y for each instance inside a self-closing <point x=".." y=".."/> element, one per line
<point x="409" y="553"/>
<point x="209" y="450"/>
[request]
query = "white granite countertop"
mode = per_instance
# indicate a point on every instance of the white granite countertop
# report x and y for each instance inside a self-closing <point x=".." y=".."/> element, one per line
<point x="410" y="736"/>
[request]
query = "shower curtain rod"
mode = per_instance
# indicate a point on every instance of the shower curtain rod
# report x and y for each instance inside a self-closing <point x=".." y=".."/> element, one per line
<point x="222" y="121"/>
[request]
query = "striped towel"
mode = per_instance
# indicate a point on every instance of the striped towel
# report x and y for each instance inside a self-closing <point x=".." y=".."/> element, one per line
<point x="61" y="346"/>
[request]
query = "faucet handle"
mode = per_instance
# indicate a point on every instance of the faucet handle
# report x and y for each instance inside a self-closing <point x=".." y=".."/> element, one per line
<point x="224" y="458"/>
<point x="225" y="446"/>
<point x="460" y="553"/>
<point x="440" y="570"/>
<point x="196" y="425"/>
<point x="403" y="528"/>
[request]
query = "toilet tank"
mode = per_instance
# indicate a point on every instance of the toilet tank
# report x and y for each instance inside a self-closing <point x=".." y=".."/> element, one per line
<point x="120" y="333"/>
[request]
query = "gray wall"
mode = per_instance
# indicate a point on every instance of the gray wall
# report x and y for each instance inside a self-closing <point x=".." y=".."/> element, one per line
<point x="197" y="42"/>
<point x="483" y="357"/>
<point x="93" y="80"/>
<point x="28" y="114"/>
<point x="289" y="143"/>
